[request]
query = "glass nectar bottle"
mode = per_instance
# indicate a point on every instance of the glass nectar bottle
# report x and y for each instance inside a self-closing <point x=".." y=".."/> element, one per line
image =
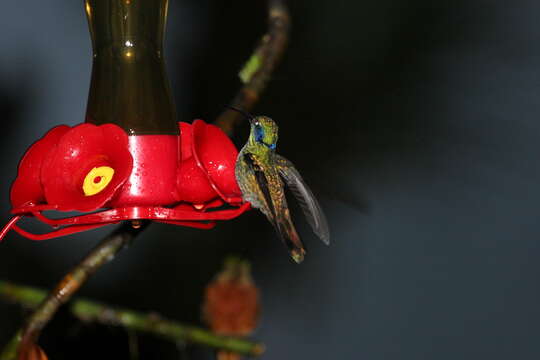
<point x="129" y="87"/>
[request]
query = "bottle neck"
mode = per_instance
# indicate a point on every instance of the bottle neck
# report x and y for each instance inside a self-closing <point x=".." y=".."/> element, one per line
<point x="129" y="85"/>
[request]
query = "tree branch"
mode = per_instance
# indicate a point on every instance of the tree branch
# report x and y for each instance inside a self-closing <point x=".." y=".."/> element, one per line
<point x="260" y="66"/>
<point x="101" y="255"/>
<point x="90" y="311"/>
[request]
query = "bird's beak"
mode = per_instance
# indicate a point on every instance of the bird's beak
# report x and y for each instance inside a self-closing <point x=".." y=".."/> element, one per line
<point x="250" y="117"/>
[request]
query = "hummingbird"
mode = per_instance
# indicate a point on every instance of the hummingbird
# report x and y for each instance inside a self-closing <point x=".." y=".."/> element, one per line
<point x="262" y="174"/>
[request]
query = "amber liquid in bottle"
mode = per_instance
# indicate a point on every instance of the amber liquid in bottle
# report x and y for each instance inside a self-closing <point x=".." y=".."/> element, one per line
<point x="129" y="87"/>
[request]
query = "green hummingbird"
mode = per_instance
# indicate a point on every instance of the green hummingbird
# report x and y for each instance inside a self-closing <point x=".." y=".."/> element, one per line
<point x="261" y="175"/>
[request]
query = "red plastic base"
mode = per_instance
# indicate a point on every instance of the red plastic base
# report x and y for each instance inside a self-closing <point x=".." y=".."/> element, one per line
<point x="153" y="179"/>
<point x="183" y="215"/>
<point x="150" y="174"/>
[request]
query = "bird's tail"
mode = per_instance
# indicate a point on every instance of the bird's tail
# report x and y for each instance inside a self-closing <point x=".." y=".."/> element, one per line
<point x="290" y="238"/>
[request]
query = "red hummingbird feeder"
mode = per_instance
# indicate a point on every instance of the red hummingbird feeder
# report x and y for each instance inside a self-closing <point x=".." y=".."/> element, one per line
<point x="130" y="160"/>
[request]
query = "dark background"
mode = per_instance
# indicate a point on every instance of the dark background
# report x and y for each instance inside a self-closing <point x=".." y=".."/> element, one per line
<point x="415" y="121"/>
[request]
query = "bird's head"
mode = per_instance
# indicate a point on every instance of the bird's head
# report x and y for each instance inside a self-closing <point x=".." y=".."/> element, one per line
<point x="264" y="132"/>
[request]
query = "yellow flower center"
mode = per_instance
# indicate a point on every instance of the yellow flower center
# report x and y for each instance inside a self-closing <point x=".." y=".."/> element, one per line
<point x="97" y="179"/>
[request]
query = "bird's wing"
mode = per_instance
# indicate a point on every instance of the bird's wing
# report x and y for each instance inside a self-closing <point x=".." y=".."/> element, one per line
<point x="309" y="204"/>
<point x="276" y="210"/>
<point x="269" y="210"/>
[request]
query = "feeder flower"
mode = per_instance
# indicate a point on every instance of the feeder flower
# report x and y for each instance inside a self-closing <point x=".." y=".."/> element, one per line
<point x="79" y="168"/>
<point x="206" y="169"/>
<point x="27" y="188"/>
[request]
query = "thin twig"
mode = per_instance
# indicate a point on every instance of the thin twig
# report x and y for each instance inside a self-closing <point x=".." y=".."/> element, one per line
<point x="91" y="311"/>
<point x="133" y="342"/>
<point x="152" y="323"/>
<point x="258" y="69"/>
<point x="10" y="350"/>
<point x="102" y="254"/>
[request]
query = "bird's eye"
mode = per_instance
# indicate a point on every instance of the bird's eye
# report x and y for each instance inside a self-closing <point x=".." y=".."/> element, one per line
<point x="259" y="133"/>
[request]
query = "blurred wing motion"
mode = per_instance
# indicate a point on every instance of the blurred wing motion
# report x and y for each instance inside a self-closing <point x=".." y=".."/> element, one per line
<point x="311" y="208"/>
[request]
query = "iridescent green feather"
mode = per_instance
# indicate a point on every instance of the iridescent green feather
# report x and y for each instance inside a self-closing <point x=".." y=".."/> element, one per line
<point x="262" y="174"/>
